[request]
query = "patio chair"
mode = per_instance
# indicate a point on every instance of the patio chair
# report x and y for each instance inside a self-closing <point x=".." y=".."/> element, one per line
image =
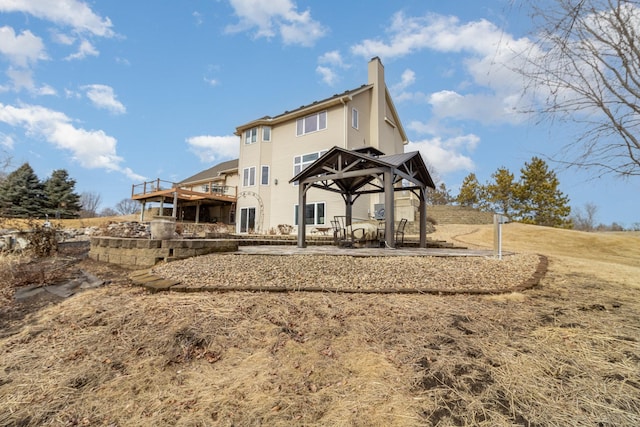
<point x="381" y="233"/>
<point x="400" y="232"/>
<point x="339" y="233"/>
<point x="346" y="236"/>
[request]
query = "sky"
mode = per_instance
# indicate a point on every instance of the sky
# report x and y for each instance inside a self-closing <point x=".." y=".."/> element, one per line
<point x="121" y="92"/>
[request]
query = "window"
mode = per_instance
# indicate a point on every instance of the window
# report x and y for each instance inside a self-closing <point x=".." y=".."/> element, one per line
<point x="313" y="214"/>
<point x="264" y="176"/>
<point x="205" y="188"/>
<point x="354" y="118"/>
<point x="249" y="176"/>
<point x="266" y="133"/>
<point x="250" y="135"/>
<point x="312" y="123"/>
<point x="301" y="162"/>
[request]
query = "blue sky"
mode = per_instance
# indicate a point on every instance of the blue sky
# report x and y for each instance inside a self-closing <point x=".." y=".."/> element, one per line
<point x="118" y="92"/>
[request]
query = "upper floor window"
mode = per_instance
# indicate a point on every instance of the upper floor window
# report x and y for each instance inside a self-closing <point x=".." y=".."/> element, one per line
<point x="266" y="133"/>
<point x="354" y="118"/>
<point x="250" y="135"/>
<point x="312" y="123"/>
<point x="249" y="176"/>
<point x="301" y="162"/>
<point x="264" y="175"/>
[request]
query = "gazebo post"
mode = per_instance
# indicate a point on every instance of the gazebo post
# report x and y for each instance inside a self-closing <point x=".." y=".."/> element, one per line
<point x="348" y="209"/>
<point x="302" y="206"/>
<point x="389" y="210"/>
<point x="423" y="216"/>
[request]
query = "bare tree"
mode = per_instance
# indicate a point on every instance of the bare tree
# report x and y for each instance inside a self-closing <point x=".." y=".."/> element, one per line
<point x="108" y="212"/>
<point x="89" y="202"/>
<point x="587" y="65"/>
<point x="5" y="163"/>
<point x="585" y="219"/>
<point x="127" y="207"/>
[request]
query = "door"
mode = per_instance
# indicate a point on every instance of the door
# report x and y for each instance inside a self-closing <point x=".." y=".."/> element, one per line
<point x="247" y="220"/>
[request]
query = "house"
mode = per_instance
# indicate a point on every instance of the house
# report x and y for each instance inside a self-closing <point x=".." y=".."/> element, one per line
<point x="273" y="150"/>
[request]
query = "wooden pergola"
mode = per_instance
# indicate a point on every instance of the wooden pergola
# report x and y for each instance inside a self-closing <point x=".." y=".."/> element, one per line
<point x="353" y="173"/>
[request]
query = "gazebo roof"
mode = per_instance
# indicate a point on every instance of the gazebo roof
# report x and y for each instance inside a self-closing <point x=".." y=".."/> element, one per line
<point x="349" y="171"/>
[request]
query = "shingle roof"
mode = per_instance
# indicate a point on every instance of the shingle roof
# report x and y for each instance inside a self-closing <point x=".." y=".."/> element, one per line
<point x="287" y="114"/>
<point x="212" y="172"/>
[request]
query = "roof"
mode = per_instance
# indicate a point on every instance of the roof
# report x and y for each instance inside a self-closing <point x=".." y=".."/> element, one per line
<point x="305" y="109"/>
<point x="349" y="171"/>
<point x="212" y="172"/>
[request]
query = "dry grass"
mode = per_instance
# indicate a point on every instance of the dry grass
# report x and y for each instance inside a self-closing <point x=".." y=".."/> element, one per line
<point x="565" y="353"/>
<point x="67" y="223"/>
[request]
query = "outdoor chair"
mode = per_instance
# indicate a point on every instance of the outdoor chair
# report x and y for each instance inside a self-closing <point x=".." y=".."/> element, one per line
<point x="338" y="233"/>
<point x="345" y="235"/>
<point x="400" y="232"/>
<point x="381" y="233"/>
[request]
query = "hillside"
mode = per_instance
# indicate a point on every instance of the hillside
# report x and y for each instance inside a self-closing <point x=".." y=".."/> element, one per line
<point x="564" y="353"/>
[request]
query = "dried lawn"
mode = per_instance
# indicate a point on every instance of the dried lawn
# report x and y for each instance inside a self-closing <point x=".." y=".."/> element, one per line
<point x="564" y="353"/>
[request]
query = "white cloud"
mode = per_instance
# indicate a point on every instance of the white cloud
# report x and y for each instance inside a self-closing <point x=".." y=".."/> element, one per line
<point x="198" y="18"/>
<point x="486" y="53"/>
<point x="6" y="141"/>
<point x="64" y="39"/>
<point x="72" y="13"/>
<point x="446" y="149"/>
<point x="22" y="49"/>
<point x="92" y="149"/>
<point x="399" y="90"/>
<point x="441" y="33"/>
<point x="485" y="108"/>
<point x="446" y="155"/>
<point x="329" y="63"/>
<point x="213" y="149"/>
<point x="211" y="82"/>
<point x="23" y="79"/>
<point x="270" y="17"/>
<point x="408" y="78"/>
<point x="333" y="58"/>
<point x="85" y="49"/>
<point x="102" y="96"/>
<point x="328" y="75"/>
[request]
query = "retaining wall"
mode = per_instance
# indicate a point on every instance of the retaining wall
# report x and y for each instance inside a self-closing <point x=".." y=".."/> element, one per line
<point x="450" y="214"/>
<point x="146" y="252"/>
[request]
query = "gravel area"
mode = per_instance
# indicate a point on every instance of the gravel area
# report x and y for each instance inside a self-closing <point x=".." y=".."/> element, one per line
<point x="345" y="272"/>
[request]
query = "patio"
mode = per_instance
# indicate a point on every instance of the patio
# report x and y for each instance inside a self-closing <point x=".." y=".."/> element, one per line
<point x="363" y="252"/>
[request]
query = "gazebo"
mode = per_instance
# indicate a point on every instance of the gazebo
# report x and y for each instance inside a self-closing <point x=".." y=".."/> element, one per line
<point x="353" y="173"/>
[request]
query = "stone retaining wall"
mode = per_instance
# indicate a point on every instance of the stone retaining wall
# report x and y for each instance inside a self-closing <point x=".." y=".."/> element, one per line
<point x="449" y="214"/>
<point x="146" y="252"/>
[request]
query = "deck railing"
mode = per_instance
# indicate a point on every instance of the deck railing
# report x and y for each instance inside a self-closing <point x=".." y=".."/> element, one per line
<point x="151" y="187"/>
<point x="156" y="185"/>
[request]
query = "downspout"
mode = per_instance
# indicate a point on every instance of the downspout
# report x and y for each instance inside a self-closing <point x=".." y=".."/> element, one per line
<point x="345" y="100"/>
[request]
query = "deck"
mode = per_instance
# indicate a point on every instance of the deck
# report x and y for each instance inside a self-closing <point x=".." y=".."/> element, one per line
<point x="169" y="192"/>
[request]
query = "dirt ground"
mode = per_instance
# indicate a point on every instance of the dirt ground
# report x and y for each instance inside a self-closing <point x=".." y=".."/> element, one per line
<point x="564" y="353"/>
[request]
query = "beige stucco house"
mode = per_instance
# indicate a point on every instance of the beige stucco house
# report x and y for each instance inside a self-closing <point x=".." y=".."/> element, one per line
<point x="274" y="149"/>
<point x="254" y="193"/>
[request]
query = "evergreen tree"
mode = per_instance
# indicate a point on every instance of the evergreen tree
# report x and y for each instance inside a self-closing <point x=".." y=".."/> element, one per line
<point x="439" y="196"/>
<point x="498" y="195"/>
<point x="62" y="201"/>
<point x="22" y="194"/>
<point x="470" y="192"/>
<point x="537" y="197"/>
